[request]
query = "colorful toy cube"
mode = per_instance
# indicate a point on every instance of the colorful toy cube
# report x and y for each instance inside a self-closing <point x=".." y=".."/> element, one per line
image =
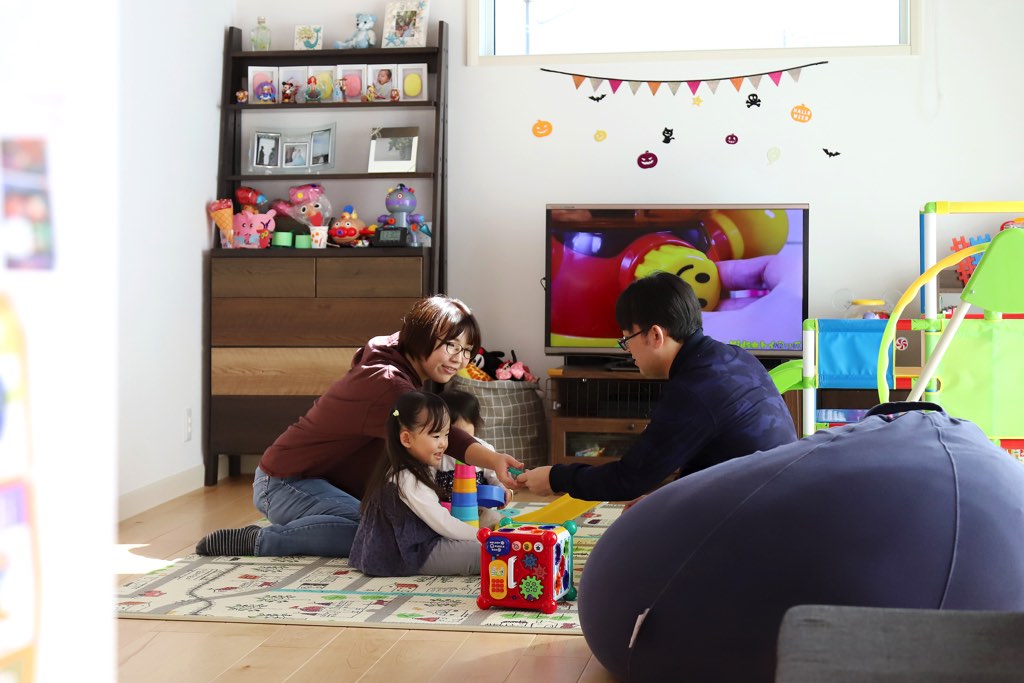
<point x="526" y="566"/>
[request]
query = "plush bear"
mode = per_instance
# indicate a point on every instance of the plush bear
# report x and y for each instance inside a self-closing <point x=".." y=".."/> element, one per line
<point x="364" y="35"/>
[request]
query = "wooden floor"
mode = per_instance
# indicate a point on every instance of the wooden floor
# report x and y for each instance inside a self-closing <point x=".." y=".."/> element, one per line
<point x="153" y="651"/>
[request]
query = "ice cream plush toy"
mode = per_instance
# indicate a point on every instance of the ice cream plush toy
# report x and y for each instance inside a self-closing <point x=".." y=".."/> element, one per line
<point x="222" y="212"/>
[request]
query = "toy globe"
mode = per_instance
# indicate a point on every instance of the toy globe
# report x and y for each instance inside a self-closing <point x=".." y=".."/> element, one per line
<point x="909" y="508"/>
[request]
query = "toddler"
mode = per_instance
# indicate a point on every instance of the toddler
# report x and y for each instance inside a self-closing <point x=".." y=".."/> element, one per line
<point x="403" y="529"/>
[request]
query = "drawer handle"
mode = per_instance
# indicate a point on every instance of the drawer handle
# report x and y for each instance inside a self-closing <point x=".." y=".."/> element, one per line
<point x="632" y="426"/>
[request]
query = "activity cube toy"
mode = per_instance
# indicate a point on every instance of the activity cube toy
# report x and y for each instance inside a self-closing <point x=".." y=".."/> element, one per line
<point x="526" y="566"/>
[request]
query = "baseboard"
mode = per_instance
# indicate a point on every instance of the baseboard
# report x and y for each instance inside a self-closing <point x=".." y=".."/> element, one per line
<point x="169" y="488"/>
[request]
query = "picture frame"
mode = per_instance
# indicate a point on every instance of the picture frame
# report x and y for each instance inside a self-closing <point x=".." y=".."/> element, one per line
<point x="350" y="81"/>
<point x="412" y="82"/>
<point x="295" y="155"/>
<point x="296" y="75"/>
<point x="321" y="148"/>
<point x="405" y="24"/>
<point x="380" y="83"/>
<point x="393" y="150"/>
<point x="309" y="37"/>
<point x="322" y="89"/>
<point x="266" y="150"/>
<point x="264" y="85"/>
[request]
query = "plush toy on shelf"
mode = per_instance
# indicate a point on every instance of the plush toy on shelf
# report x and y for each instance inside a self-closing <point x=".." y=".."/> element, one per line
<point x="253" y="230"/>
<point x="308" y="205"/>
<point x="364" y="35"/>
<point x="222" y="211"/>
<point x="349" y="230"/>
<point x="514" y="370"/>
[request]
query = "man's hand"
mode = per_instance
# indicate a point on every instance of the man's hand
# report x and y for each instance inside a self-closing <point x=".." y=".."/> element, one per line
<point x="537" y="480"/>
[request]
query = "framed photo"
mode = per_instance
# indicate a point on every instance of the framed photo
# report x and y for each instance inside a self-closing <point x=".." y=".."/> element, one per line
<point x="405" y="24"/>
<point x="309" y="37"/>
<point x="381" y="80"/>
<point x="263" y="85"/>
<point x="266" y="150"/>
<point x="350" y="80"/>
<point x="293" y="82"/>
<point x="319" y="85"/>
<point x="412" y="82"/>
<point x="296" y="154"/>
<point x="321" y="148"/>
<point x="393" y="150"/>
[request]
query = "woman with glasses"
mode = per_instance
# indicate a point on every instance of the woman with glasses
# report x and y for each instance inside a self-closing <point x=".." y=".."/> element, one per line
<point x="309" y="481"/>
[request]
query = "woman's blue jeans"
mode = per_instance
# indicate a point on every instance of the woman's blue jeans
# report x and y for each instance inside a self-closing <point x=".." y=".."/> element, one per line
<point x="307" y="516"/>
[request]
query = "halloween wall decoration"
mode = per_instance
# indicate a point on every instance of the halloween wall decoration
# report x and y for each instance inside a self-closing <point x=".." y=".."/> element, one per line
<point x="693" y="85"/>
<point x="731" y="139"/>
<point x="542" y="128"/>
<point x="830" y="154"/>
<point x="647" y="160"/>
<point x="600" y="136"/>
<point x="801" y="113"/>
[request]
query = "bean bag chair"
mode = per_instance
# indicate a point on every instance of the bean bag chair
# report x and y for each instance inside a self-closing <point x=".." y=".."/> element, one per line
<point x="909" y="508"/>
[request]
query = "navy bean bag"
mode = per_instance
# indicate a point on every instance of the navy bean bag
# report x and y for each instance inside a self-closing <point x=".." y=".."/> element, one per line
<point x="909" y="509"/>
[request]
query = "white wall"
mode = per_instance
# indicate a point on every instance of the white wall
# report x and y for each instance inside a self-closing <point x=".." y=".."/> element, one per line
<point x="943" y="125"/>
<point x="170" y="98"/>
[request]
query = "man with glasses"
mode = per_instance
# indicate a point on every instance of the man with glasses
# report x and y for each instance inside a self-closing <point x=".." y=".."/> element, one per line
<point x="309" y="481"/>
<point x="718" y="403"/>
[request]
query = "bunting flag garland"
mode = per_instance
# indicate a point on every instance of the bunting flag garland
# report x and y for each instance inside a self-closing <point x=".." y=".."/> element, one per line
<point x="692" y="85"/>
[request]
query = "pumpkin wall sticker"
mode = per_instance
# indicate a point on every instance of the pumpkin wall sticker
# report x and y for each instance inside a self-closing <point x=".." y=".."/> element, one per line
<point x="801" y="113"/>
<point x="647" y="160"/>
<point x="542" y="128"/>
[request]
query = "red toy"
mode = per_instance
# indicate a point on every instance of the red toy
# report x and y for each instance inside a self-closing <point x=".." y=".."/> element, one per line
<point x="526" y="566"/>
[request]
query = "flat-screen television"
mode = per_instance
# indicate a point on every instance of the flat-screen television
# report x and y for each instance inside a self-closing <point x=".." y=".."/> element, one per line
<point x="747" y="264"/>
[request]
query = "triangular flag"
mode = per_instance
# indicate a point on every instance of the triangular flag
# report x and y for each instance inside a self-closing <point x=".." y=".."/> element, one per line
<point x="654" y="85"/>
<point x="776" y="76"/>
<point x="635" y="85"/>
<point x="693" y="86"/>
<point x="595" y="83"/>
<point x="795" y="73"/>
<point x="755" y="80"/>
<point x="712" y="86"/>
<point x="737" y="83"/>
<point x="578" y="80"/>
<point x="674" y="86"/>
<point x="615" y="85"/>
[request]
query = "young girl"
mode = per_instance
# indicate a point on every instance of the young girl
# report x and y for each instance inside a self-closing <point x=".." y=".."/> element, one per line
<point x="403" y="529"/>
<point x="464" y="410"/>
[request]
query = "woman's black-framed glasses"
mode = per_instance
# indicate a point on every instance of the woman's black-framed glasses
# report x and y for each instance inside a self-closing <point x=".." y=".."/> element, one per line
<point x="624" y="341"/>
<point x="454" y="349"/>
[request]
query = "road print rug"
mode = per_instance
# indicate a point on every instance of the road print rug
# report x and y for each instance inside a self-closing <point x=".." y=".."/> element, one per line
<point x="321" y="591"/>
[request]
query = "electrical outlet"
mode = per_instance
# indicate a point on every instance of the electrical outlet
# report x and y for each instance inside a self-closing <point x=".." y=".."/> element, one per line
<point x="188" y="424"/>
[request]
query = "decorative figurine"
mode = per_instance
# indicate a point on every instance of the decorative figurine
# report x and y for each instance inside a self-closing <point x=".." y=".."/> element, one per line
<point x="312" y="90"/>
<point x="266" y="92"/>
<point x="242" y="96"/>
<point x="364" y="35"/>
<point x="349" y="230"/>
<point x="288" y="91"/>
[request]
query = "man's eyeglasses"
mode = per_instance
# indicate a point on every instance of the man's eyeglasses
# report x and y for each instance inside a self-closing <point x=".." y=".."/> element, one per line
<point x="624" y="341"/>
<point x="454" y="349"/>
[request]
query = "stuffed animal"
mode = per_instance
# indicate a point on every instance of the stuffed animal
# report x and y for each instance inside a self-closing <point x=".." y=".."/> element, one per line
<point x="364" y="35"/>
<point x="488" y="361"/>
<point x="514" y="370"/>
<point x="253" y="230"/>
<point x="349" y="230"/>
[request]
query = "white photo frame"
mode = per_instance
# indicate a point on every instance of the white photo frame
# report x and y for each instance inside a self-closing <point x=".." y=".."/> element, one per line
<point x="321" y="148"/>
<point x="266" y="150"/>
<point x="350" y="79"/>
<point x="295" y="155"/>
<point x="393" y="150"/>
<point x="412" y="82"/>
<point x="309" y="37"/>
<point x="296" y="75"/>
<point x="264" y="85"/>
<point x="380" y="83"/>
<point x="323" y="84"/>
<point x="405" y="24"/>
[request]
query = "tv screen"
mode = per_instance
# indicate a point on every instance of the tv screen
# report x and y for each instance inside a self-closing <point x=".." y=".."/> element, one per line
<point x="746" y="263"/>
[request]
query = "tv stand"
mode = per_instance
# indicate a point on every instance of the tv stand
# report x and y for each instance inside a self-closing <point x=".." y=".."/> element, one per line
<point x="623" y="365"/>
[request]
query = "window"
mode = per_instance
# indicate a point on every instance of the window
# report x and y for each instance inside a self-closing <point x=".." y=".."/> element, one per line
<point x="519" y="28"/>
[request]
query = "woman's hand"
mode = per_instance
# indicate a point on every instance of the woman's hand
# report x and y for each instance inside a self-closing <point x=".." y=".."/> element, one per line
<point x="482" y="456"/>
